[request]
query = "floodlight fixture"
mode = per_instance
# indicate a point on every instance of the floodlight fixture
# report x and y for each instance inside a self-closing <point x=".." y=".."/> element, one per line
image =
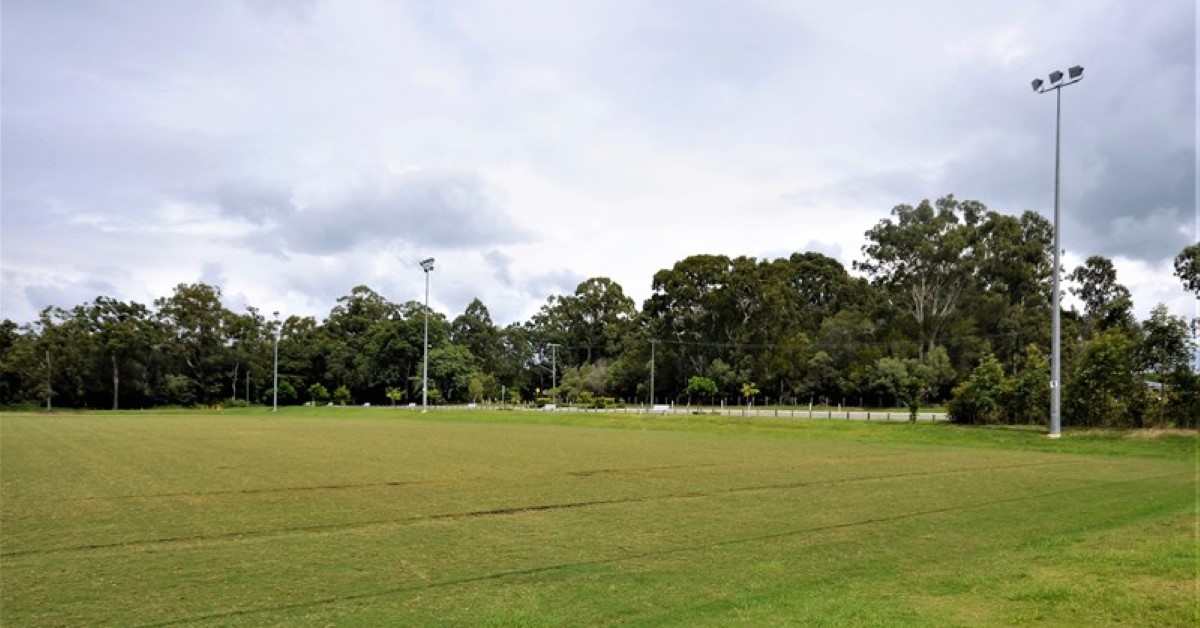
<point x="1055" y="77"/>
<point x="1037" y="84"/>
<point x="427" y="264"/>
<point x="1075" y="72"/>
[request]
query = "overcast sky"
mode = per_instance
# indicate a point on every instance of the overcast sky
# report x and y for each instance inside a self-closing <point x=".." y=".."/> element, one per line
<point x="290" y="150"/>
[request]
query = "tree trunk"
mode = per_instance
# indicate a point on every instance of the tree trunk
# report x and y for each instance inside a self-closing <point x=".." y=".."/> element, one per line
<point x="116" y="379"/>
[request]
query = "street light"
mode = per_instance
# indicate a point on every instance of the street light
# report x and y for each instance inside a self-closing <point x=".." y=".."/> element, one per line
<point x="427" y="266"/>
<point x="1074" y="75"/>
<point x="275" y="384"/>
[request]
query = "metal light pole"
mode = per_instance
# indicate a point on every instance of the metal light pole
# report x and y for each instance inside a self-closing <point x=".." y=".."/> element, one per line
<point x="1056" y="85"/>
<point x="652" y="344"/>
<point x="275" y="381"/>
<point x="554" y="372"/>
<point x="427" y="266"/>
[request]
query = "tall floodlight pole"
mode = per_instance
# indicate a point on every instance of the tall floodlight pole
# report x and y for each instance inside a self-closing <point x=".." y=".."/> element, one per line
<point x="275" y="380"/>
<point x="426" y="265"/>
<point x="652" y="343"/>
<point x="1075" y="75"/>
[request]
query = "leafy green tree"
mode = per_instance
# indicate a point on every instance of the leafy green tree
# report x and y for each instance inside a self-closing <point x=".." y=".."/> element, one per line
<point x="1107" y="304"/>
<point x="317" y="393"/>
<point x="1104" y="389"/>
<point x="923" y="259"/>
<point x="888" y="379"/>
<point x="395" y="395"/>
<point x="1027" y="393"/>
<point x="197" y="324"/>
<point x="1187" y="268"/>
<point x="821" y="377"/>
<point x="749" y="392"/>
<point x="475" y="330"/>
<point x="179" y="390"/>
<point x="475" y="388"/>
<point x="589" y="324"/>
<point x="287" y="393"/>
<point x="980" y="399"/>
<point x="450" y="370"/>
<point x="698" y="386"/>
<point x="250" y="345"/>
<point x="341" y="395"/>
<point x="1166" y="345"/>
<point x="54" y="358"/>
<point x="10" y="380"/>
<point x="123" y="334"/>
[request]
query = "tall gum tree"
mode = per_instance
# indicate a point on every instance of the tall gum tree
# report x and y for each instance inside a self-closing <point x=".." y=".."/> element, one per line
<point x="923" y="257"/>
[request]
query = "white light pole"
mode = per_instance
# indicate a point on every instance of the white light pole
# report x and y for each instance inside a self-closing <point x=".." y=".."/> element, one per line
<point x="427" y="266"/>
<point x="554" y="372"/>
<point x="1056" y="85"/>
<point x="652" y="344"/>
<point x="275" y="381"/>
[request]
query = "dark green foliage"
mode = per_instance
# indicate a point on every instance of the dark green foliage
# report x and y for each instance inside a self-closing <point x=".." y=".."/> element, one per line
<point x="317" y="393"/>
<point x="1187" y="268"/>
<point x="1104" y="390"/>
<point x="955" y="306"/>
<point x="980" y="399"/>
<point x="1107" y="304"/>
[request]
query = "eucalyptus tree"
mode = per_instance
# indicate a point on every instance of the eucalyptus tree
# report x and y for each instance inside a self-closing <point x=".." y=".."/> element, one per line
<point x="353" y="334"/>
<point x="1187" y="268"/>
<point x="588" y="324"/>
<point x="197" y="325"/>
<point x="1165" y="347"/>
<point x="514" y="361"/>
<point x="1008" y="306"/>
<point x="474" y="330"/>
<point x="51" y="358"/>
<point x="10" y="381"/>
<point x="694" y="316"/>
<point x="124" y="334"/>
<point x="1106" y="303"/>
<point x="923" y="259"/>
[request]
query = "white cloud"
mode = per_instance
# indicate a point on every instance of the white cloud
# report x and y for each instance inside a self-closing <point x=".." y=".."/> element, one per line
<point x="299" y="149"/>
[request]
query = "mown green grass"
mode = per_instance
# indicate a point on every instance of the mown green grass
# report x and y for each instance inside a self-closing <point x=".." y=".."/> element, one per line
<point x="382" y="517"/>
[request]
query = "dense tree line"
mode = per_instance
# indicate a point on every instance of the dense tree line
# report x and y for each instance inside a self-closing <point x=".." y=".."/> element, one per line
<point x="951" y="304"/>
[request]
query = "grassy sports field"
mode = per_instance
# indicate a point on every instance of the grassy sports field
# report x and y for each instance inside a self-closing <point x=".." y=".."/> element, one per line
<point x="379" y="517"/>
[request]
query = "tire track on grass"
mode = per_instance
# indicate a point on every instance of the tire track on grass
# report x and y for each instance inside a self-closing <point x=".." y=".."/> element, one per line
<point x="506" y="511"/>
<point x="540" y="569"/>
<point x="390" y="483"/>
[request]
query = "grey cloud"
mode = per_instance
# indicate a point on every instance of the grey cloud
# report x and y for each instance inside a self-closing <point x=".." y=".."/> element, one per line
<point x="561" y="281"/>
<point x="430" y="209"/>
<point x="66" y="294"/>
<point x="212" y="274"/>
<point x="501" y="265"/>
<point x="885" y="188"/>
<point x="256" y="203"/>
